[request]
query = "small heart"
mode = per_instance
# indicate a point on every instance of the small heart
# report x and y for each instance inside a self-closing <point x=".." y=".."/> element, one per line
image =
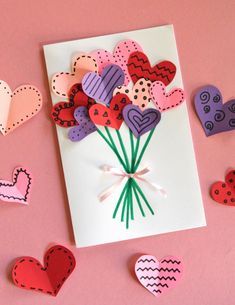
<point x="18" y="106"/>
<point x="28" y="273"/>
<point x="215" y="116"/>
<point x="115" y="117"/>
<point x="62" y="112"/>
<point x="139" y="67"/>
<point x="158" y="276"/>
<point x="101" y="87"/>
<point x="119" y="57"/>
<point x="62" y="82"/>
<point x="139" y="94"/>
<point x="140" y="122"/>
<point x="224" y="192"/>
<point x="17" y="190"/>
<point x="85" y="127"/>
<point x="165" y="101"/>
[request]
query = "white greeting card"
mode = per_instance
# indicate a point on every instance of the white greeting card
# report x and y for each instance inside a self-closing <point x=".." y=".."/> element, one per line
<point x="169" y="157"/>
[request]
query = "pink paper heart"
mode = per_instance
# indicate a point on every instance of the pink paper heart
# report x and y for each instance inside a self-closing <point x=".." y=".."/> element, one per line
<point x="18" y="106"/>
<point x="138" y="94"/>
<point x="119" y="57"/>
<point x="62" y="82"/>
<point x="158" y="277"/>
<point x="165" y="101"/>
<point x="19" y="189"/>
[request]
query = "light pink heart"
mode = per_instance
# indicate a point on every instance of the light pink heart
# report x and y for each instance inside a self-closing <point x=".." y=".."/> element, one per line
<point x="119" y="57"/>
<point x="165" y="101"/>
<point x="17" y="190"/>
<point x="62" y="82"/>
<point x="158" y="276"/>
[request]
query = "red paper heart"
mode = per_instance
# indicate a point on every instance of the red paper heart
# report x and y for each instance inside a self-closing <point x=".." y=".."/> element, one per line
<point x="62" y="112"/>
<point x="139" y="67"/>
<point x="59" y="263"/>
<point x="112" y="116"/>
<point x="224" y="192"/>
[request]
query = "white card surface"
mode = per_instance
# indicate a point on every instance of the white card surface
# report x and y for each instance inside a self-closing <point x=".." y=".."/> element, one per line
<point x="170" y="155"/>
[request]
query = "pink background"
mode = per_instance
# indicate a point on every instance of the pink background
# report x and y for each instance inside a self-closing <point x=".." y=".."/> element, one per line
<point x="104" y="275"/>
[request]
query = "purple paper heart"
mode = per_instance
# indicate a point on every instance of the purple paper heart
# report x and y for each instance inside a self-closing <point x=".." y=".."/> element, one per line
<point x="101" y="87"/>
<point x="139" y="121"/>
<point x="85" y="127"/>
<point x="214" y="115"/>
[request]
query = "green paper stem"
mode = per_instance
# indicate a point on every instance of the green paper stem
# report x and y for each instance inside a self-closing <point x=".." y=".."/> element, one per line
<point x="138" y="189"/>
<point x="138" y="200"/>
<point x="131" y="199"/>
<point x="125" y="202"/>
<point x="132" y="150"/>
<point x="120" y="199"/>
<point x="136" y="152"/>
<point x="123" y="150"/>
<point x="128" y="207"/>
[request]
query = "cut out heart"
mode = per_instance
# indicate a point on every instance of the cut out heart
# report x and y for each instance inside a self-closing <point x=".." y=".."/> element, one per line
<point x="140" y="122"/>
<point x="18" y="106"/>
<point x="224" y="192"/>
<point x="158" y="276"/>
<point x="19" y="189"/>
<point x="165" y="101"/>
<point x="28" y="273"/>
<point x="101" y="87"/>
<point x="119" y="57"/>
<point x="62" y="82"/>
<point x="138" y="94"/>
<point x="63" y="112"/>
<point x="85" y="127"/>
<point x="110" y="117"/>
<point x="139" y="67"/>
<point x="215" y="116"/>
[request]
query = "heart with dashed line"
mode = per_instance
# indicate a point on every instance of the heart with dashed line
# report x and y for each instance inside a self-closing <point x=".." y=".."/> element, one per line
<point x="112" y="116"/>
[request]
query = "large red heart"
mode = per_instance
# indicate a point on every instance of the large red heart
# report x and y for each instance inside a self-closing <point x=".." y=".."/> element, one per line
<point x="139" y="67"/>
<point x="112" y="116"/>
<point x="59" y="263"/>
<point x="224" y="192"/>
<point x="62" y="112"/>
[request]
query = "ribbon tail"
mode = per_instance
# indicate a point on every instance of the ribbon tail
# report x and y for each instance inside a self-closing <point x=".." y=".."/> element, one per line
<point x="108" y="191"/>
<point x="154" y="186"/>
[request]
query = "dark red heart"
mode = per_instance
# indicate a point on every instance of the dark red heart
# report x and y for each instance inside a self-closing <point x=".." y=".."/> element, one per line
<point x="62" y="112"/>
<point x="139" y="67"/>
<point x="224" y="192"/>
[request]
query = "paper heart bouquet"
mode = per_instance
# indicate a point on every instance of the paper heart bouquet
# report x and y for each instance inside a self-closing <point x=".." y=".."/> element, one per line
<point x="125" y="144"/>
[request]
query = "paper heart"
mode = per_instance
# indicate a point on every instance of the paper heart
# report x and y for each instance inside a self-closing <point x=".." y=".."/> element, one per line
<point x="112" y="116"/>
<point x="28" y="273"/>
<point x="138" y="94"/>
<point x="139" y="67"/>
<point x="17" y="190"/>
<point x="140" y="122"/>
<point x="165" y="101"/>
<point x="85" y="127"/>
<point x="119" y="57"/>
<point x="224" y="192"/>
<point x="101" y="87"/>
<point x="18" y="106"/>
<point x="215" y="116"/>
<point x="62" y="112"/>
<point x="158" y="276"/>
<point x="61" y="82"/>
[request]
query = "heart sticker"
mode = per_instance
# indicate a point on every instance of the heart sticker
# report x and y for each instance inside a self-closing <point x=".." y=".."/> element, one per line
<point x="62" y="82"/>
<point x="139" y="67"/>
<point x="165" y="101"/>
<point x="224" y="192"/>
<point x="63" y="112"/>
<point x="112" y="116"/>
<point x="101" y="87"/>
<point x="18" y="190"/>
<point x="28" y="273"/>
<point x="18" y="106"/>
<point x="85" y="127"/>
<point x="139" y="94"/>
<point x="215" y="116"/>
<point x="140" y="122"/>
<point x="158" y="277"/>
<point x="119" y="57"/>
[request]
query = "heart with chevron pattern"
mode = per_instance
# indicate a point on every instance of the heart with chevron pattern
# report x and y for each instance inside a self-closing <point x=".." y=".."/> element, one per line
<point x="158" y="276"/>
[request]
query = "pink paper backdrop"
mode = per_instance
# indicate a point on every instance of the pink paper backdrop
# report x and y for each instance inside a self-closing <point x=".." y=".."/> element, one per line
<point x="104" y="275"/>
